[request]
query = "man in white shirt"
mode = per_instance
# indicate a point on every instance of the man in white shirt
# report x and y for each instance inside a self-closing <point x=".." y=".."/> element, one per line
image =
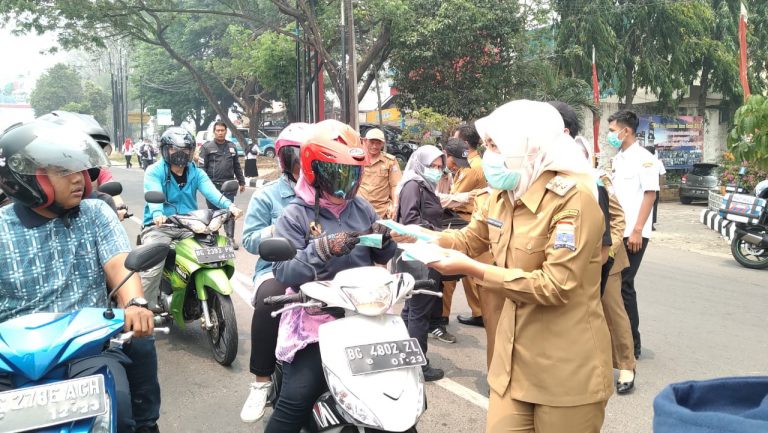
<point x="636" y="182"/>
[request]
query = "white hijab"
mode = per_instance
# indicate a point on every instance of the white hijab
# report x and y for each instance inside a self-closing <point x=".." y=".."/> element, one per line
<point x="534" y="131"/>
<point x="422" y="158"/>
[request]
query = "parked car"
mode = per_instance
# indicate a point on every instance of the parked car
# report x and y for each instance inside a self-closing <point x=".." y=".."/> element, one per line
<point x="698" y="182"/>
<point x="396" y="145"/>
<point x="266" y="145"/>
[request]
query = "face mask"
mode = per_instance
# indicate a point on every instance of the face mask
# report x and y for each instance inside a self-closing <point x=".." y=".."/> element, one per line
<point x="180" y="158"/>
<point x="432" y="174"/>
<point x="614" y="140"/>
<point x="497" y="174"/>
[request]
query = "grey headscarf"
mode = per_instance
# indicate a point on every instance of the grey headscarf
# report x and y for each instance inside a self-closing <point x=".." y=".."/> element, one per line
<point x="419" y="160"/>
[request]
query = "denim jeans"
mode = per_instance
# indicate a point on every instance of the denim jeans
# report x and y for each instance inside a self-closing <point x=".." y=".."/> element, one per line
<point x="303" y="382"/>
<point x="143" y="382"/>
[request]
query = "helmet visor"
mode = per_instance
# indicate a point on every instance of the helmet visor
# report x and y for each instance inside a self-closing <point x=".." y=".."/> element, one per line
<point x="338" y="180"/>
<point x="289" y="156"/>
<point x="59" y="151"/>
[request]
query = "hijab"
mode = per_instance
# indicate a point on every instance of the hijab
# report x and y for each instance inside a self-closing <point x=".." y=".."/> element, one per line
<point x="532" y="132"/>
<point x="422" y="158"/>
<point x="307" y="192"/>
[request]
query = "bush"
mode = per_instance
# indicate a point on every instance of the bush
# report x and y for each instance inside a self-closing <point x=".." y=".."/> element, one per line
<point x="748" y="140"/>
<point x="729" y="172"/>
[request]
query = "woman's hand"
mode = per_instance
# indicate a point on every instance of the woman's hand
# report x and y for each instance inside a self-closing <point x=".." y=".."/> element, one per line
<point x="456" y="263"/>
<point x="402" y="239"/>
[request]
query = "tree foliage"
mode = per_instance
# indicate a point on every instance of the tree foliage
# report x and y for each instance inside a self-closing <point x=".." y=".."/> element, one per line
<point x="62" y="88"/>
<point x="748" y="140"/>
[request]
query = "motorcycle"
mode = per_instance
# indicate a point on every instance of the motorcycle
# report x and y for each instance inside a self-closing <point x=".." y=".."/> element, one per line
<point x="371" y="365"/>
<point x="39" y="355"/>
<point x="748" y="212"/>
<point x="112" y="189"/>
<point x="195" y="281"/>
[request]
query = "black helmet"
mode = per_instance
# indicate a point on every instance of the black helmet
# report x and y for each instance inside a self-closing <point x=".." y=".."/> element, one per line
<point x="179" y="138"/>
<point x="28" y="150"/>
<point x="84" y="122"/>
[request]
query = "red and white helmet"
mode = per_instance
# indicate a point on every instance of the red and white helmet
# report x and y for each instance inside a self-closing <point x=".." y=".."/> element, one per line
<point x="332" y="159"/>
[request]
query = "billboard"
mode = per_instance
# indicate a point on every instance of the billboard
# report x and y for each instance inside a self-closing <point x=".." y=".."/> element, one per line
<point x="164" y="117"/>
<point x="678" y="140"/>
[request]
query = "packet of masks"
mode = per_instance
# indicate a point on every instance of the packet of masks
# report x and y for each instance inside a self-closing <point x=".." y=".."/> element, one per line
<point x="401" y="229"/>
<point x="374" y="240"/>
<point x="423" y="252"/>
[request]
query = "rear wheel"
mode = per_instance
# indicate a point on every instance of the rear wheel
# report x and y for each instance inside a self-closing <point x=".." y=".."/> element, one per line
<point x="269" y="153"/>
<point x="686" y="200"/>
<point x="223" y="334"/>
<point x="749" y="255"/>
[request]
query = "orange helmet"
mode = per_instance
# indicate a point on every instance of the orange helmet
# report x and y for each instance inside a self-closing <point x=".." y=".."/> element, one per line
<point x="332" y="159"/>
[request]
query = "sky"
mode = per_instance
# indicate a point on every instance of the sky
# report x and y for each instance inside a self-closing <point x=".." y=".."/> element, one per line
<point x="21" y="55"/>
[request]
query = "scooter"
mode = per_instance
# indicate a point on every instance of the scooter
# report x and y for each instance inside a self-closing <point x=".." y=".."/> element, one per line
<point x="195" y="282"/>
<point x="748" y="212"/>
<point x="39" y="355"/>
<point x="371" y="365"/>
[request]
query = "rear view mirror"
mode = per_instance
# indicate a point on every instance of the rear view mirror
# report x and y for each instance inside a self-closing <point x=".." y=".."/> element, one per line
<point x="146" y="256"/>
<point x="111" y="188"/>
<point x="230" y="186"/>
<point x="276" y="250"/>
<point x="156" y="197"/>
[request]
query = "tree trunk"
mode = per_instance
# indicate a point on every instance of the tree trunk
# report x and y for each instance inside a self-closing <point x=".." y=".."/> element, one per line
<point x="704" y="90"/>
<point x="629" y="91"/>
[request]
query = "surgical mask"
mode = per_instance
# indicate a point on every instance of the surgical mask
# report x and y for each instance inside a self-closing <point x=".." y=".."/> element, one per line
<point x="432" y="174"/>
<point x="497" y="174"/>
<point x="180" y="158"/>
<point x="613" y="139"/>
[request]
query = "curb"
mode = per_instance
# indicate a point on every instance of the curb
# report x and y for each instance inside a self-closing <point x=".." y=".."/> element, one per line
<point x="713" y="220"/>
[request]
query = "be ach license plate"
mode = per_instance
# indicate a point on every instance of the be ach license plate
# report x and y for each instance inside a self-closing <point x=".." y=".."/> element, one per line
<point x="370" y="358"/>
<point x="58" y="403"/>
<point x="215" y="254"/>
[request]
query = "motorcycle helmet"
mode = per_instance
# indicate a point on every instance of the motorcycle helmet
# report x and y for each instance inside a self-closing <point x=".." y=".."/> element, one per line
<point x="29" y="151"/>
<point x="85" y="122"/>
<point x="761" y="189"/>
<point x="287" y="146"/>
<point x="332" y="159"/>
<point x="181" y="139"/>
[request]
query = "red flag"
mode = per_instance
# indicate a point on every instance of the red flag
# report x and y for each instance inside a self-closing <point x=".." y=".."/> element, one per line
<point x="596" y="96"/>
<point x="743" y="51"/>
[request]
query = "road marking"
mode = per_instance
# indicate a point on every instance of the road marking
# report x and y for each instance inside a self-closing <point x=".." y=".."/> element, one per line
<point x="137" y="220"/>
<point x="242" y="285"/>
<point x="463" y="392"/>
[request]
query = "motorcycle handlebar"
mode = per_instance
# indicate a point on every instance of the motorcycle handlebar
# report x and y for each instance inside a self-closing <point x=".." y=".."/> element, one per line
<point x="283" y="299"/>
<point x="425" y="284"/>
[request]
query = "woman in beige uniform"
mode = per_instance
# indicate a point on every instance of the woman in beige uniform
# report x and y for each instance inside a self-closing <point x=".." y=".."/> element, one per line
<point x="551" y="367"/>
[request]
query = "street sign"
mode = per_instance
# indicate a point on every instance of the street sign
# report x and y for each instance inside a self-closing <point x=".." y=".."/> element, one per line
<point x="164" y="117"/>
<point x="135" y="117"/>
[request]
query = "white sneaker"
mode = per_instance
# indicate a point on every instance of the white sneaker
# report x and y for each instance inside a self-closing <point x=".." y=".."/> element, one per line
<point x="253" y="409"/>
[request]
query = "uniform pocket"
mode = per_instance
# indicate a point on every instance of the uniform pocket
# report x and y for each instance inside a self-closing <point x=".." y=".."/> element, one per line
<point x="529" y="251"/>
<point x="494" y="234"/>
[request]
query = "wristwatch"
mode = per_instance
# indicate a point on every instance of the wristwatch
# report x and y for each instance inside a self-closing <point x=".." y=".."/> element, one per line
<point x="138" y="302"/>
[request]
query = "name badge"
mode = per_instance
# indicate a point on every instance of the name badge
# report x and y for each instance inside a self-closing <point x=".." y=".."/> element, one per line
<point x="494" y="222"/>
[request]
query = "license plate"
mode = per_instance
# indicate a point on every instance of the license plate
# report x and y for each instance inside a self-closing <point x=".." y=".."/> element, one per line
<point x="57" y="403"/>
<point x="215" y="254"/>
<point x="391" y="355"/>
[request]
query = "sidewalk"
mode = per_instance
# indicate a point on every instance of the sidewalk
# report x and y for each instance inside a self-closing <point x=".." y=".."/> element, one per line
<point x="679" y="227"/>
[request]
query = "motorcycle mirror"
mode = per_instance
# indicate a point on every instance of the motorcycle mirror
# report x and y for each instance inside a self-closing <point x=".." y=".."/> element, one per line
<point x="156" y="197"/>
<point x="742" y="171"/>
<point x="112" y="188"/>
<point x="230" y="186"/>
<point x="146" y="256"/>
<point x="276" y="250"/>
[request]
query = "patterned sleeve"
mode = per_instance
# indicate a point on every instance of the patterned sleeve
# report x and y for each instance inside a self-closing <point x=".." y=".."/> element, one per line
<point x="111" y="238"/>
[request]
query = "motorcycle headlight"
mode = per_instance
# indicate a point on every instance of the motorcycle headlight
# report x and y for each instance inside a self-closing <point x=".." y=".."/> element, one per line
<point x="196" y="226"/>
<point x="217" y="222"/>
<point x="370" y="300"/>
<point x="413" y="146"/>
<point x="351" y="404"/>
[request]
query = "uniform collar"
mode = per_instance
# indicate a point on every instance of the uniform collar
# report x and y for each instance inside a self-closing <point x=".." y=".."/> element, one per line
<point x="472" y="154"/>
<point x="378" y="158"/>
<point x="631" y="149"/>
<point x="532" y="198"/>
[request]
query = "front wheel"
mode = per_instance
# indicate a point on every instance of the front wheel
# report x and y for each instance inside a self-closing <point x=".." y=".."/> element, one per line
<point x="269" y="153"/>
<point x="749" y="255"/>
<point x="223" y="333"/>
<point x="686" y="200"/>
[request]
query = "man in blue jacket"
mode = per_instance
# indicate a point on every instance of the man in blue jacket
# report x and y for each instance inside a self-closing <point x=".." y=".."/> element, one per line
<point x="179" y="179"/>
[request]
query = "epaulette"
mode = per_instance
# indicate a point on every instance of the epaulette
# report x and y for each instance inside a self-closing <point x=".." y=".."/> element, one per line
<point x="388" y="156"/>
<point x="560" y="185"/>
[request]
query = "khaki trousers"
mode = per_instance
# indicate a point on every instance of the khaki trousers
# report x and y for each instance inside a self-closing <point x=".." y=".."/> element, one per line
<point x="622" y="345"/>
<point x="508" y="415"/>
<point x="470" y="291"/>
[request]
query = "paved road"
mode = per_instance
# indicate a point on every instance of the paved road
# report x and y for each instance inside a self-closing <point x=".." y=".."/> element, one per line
<point x="702" y="316"/>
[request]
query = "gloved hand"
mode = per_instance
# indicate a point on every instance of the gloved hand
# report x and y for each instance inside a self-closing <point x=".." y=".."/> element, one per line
<point x="336" y="244"/>
<point x="382" y="230"/>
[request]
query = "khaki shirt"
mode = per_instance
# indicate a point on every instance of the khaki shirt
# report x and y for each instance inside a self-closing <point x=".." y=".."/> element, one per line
<point x="469" y="179"/>
<point x="552" y="342"/>
<point x="620" y="258"/>
<point x="379" y="178"/>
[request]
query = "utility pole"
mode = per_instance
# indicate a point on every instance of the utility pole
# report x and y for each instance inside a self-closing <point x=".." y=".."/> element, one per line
<point x="141" y="106"/>
<point x="378" y="100"/>
<point x="352" y="68"/>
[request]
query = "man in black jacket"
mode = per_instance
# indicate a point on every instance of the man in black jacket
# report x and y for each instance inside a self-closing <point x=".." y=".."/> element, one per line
<point x="218" y="158"/>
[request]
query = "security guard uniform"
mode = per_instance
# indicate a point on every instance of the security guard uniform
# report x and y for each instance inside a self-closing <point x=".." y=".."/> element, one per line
<point x="379" y="179"/>
<point x="465" y="180"/>
<point x="613" y="305"/>
<point x="551" y="364"/>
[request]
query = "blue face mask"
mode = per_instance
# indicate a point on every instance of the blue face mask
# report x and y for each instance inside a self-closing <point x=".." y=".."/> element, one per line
<point x="432" y="175"/>
<point x="497" y="174"/>
<point x="614" y="140"/>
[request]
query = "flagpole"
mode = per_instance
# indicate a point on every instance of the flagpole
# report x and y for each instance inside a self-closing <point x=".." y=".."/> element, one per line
<point x="743" y="51"/>
<point x="596" y="114"/>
